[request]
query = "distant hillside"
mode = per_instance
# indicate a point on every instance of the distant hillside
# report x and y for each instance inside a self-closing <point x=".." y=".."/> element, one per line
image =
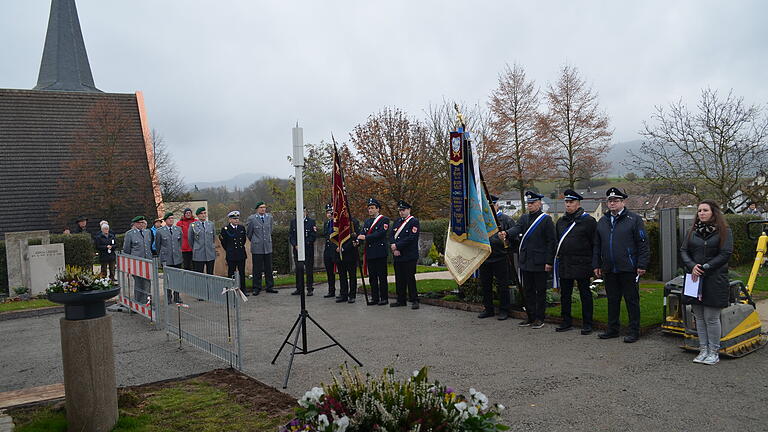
<point x="618" y="155"/>
<point x="239" y="181"/>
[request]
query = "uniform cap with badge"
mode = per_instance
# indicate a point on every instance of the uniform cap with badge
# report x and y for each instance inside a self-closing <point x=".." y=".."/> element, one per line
<point x="402" y="205"/>
<point x="531" y="196"/>
<point x="374" y="202"/>
<point x="615" y="193"/>
<point x="494" y="199"/>
<point x="329" y="207"/>
<point x="572" y="195"/>
<point x="234" y="214"/>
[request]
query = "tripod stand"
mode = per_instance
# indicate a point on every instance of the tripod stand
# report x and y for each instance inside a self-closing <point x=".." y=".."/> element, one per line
<point x="300" y="326"/>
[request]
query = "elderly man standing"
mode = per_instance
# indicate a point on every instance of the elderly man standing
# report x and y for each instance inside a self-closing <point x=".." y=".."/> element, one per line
<point x="202" y="239"/>
<point x="168" y="243"/>
<point x="620" y="256"/>
<point x="258" y="229"/>
<point x="138" y="243"/>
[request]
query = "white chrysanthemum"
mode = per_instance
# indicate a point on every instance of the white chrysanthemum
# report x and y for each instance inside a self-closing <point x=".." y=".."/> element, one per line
<point x="322" y="422"/>
<point x="341" y="424"/>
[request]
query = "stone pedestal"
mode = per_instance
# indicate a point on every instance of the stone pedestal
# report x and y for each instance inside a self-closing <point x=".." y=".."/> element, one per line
<point x="89" y="374"/>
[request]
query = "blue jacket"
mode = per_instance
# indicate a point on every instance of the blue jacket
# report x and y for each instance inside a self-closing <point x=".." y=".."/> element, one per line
<point x="621" y="246"/>
<point x="376" y="242"/>
<point x="407" y="242"/>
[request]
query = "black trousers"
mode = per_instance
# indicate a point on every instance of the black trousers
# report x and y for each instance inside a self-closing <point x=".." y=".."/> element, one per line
<point x="618" y="285"/>
<point x="203" y="266"/>
<point x="309" y="265"/>
<point x="566" y="296"/>
<point x="262" y="263"/>
<point x="405" y="281"/>
<point x="239" y="267"/>
<point x="500" y="271"/>
<point x="187" y="257"/>
<point x="329" y="271"/>
<point x="535" y="286"/>
<point x="377" y="276"/>
<point x="347" y="278"/>
<point x="173" y="296"/>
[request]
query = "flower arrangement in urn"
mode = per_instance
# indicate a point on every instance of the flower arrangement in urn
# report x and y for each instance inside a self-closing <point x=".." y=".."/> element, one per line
<point x="357" y="403"/>
<point x="76" y="280"/>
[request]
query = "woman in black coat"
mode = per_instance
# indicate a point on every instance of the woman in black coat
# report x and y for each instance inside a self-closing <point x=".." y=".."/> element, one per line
<point x="705" y="253"/>
<point x="105" y="243"/>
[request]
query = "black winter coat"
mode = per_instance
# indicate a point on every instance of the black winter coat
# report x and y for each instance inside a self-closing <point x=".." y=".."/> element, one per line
<point x="622" y="247"/>
<point x="498" y="251"/>
<point x="101" y="242"/>
<point x="574" y="258"/>
<point x="349" y="254"/>
<point x="539" y="246"/>
<point x="706" y="250"/>
<point x="408" y="240"/>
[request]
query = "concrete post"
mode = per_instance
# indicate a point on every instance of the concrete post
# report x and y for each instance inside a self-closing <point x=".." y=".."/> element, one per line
<point x="89" y="374"/>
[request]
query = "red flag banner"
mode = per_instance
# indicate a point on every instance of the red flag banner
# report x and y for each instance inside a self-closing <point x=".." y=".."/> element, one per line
<point x="341" y="219"/>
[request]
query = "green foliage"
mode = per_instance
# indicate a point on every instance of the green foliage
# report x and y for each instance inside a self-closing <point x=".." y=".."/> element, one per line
<point x="743" y="247"/>
<point x="78" y="249"/>
<point x="654" y="267"/>
<point x="75" y="279"/>
<point x="439" y="228"/>
<point x="470" y="291"/>
<point x="11" y="305"/>
<point x="3" y="271"/>
<point x="280" y="250"/>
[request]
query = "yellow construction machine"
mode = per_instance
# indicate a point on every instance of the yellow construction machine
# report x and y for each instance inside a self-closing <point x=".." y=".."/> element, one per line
<point x="741" y="328"/>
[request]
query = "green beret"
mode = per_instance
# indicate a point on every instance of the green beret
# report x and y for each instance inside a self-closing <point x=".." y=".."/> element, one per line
<point x="259" y="204"/>
<point x="199" y="210"/>
<point x="167" y="215"/>
<point x="138" y="219"/>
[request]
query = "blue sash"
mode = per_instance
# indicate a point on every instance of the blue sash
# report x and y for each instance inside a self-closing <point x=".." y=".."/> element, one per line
<point x="528" y="232"/>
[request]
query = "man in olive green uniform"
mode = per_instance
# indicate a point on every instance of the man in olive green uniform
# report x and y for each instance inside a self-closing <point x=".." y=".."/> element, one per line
<point x="138" y="243"/>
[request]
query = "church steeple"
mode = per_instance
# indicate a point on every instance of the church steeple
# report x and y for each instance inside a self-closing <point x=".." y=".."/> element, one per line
<point x="65" y="66"/>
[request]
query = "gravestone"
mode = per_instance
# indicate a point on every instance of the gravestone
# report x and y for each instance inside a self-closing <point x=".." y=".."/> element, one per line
<point x="45" y="262"/>
<point x="17" y="256"/>
<point x="425" y="244"/>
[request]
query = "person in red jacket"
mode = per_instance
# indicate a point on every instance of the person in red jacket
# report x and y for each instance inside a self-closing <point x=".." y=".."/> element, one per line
<point x="186" y="249"/>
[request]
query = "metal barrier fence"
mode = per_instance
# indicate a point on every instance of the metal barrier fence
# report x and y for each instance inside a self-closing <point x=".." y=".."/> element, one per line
<point x="208" y="315"/>
<point x="139" y="285"/>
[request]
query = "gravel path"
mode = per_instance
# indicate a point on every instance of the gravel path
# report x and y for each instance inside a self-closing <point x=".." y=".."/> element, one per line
<point x="549" y="381"/>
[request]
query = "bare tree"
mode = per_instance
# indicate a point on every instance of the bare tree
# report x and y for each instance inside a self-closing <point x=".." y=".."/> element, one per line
<point x="576" y="128"/>
<point x="718" y="152"/>
<point x="514" y="108"/>
<point x="172" y="187"/>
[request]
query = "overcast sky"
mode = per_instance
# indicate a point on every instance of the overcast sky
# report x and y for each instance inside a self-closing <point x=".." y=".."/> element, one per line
<point x="225" y="81"/>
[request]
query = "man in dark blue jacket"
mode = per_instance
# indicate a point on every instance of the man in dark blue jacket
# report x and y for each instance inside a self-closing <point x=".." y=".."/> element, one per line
<point x="310" y="233"/>
<point x="536" y="232"/>
<point x="232" y="238"/>
<point x="620" y="256"/>
<point x="374" y="234"/>
<point x="329" y="253"/>
<point x="404" y="242"/>
<point x="497" y="266"/>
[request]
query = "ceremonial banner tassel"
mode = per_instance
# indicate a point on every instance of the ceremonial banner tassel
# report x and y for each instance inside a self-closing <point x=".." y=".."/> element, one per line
<point x="472" y="220"/>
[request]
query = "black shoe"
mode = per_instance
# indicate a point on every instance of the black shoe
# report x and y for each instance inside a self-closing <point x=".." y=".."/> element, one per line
<point x="631" y="339"/>
<point x="608" y="335"/>
<point x="397" y="304"/>
<point x="246" y="293"/>
<point x="329" y="295"/>
<point x="415" y="305"/>
<point x="382" y="302"/>
<point x="271" y="290"/>
<point x="502" y="315"/>
<point x="486" y="314"/>
<point x="296" y="292"/>
<point x="537" y="324"/>
<point x="586" y="330"/>
<point x="256" y="292"/>
<point x="524" y="323"/>
<point x="372" y="303"/>
<point x="351" y="300"/>
<point x="310" y="293"/>
<point x="563" y="327"/>
<point x="341" y="299"/>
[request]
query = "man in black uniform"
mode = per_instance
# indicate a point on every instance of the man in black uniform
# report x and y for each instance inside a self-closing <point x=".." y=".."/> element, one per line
<point x="496" y="265"/>
<point x="329" y="254"/>
<point x="310" y="233"/>
<point x="374" y="234"/>
<point x="232" y="239"/>
<point x="404" y="242"/>
<point x="346" y="259"/>
<point x="536" y="256"/>
<point x="573" y="260"/>
<point x="620" y="256"/>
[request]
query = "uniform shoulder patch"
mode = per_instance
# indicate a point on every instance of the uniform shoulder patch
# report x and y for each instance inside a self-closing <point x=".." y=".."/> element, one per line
<point x="314" y="228"/>
<point x="415" y="229"/>
<point x="386" y="226"/>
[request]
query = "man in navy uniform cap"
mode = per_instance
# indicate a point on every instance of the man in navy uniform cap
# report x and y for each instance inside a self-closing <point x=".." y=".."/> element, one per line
<point x="573" y="260"/>
<point x="404" y="242"/>
<point x="310" y="233"/>
<point x="620" y="256"/>
<point x="536" y="256"/>
<point x="329" y="253"/>
<point x="232" y="237"/>
<point x="497" y="266"/>
<point x="374" y="234"/>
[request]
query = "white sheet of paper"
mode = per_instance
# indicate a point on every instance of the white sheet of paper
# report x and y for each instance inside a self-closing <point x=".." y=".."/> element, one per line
<point x="691" y="288"/>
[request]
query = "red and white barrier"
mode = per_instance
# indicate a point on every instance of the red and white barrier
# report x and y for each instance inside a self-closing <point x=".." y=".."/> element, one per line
<point x="135" y="266"/>
<point x="144" y="269"/>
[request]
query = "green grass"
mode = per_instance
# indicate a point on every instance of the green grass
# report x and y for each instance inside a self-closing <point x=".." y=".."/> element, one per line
<point x="321" y="277"/>
<point x="761" y="283"/>
<point x="187" y="406"/>
<point x="651" y="302"/>
<point x="24" y="305"/>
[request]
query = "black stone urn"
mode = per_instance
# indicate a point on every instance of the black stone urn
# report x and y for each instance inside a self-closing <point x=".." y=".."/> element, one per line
<point x="84" y="305"/>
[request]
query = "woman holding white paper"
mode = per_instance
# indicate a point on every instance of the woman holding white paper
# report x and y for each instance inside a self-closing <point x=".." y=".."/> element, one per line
<point x="705" y="253"/>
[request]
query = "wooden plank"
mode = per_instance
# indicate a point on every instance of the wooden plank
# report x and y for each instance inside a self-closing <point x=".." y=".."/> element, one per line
<point x="14" y="398"/>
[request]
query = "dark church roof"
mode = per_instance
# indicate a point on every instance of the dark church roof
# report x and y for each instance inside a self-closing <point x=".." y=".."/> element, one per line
<point x="38" y="130"/>
<point x="65" y="62"/>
